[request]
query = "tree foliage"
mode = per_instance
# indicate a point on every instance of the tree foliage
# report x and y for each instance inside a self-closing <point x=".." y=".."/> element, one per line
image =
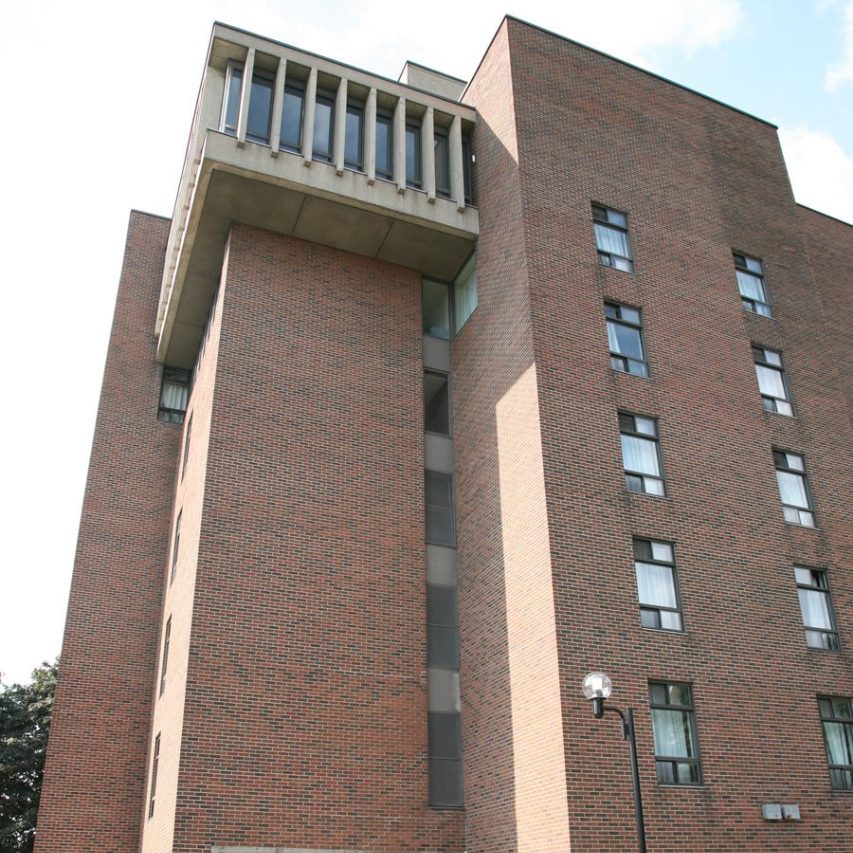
<point x="24" y="722"/>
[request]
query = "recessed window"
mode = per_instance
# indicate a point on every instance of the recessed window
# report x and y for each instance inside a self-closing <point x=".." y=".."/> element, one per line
<point x="771" y="381"/>
<point x="657" y="590"/>
<point x="816" y="608"/>
<point x="324" y="127"/>
<point x="152" y="788"/>
<point x="442" y="163"/>
<point x="165" y="661"/>
<point x="640" y="454"/>
<point x="436" y="403"/>
<point x="384" y="146"/>
<point x="750" y="282"/>
<point x="260" y="104"/>
<point x="625" y="338"/>
<point x="354" y="138"/>
<point x="233" y="89"/>
<point x="439" y="508"/>
<point x="465" y="293"/>
<point x="413" y="155"/>
<point x="176" y="545"/>
<point x="467" y="163"/>
<point x="836" y="714"/>
<point x="445" y="760"/>
<point x="174" y="395"/>
<point x="189" y="436"/>
<point x="793" y="488"/>
<point x="442" y="630"/>
<point x="292" y="112"/>
<point x="674" y="728"/>
<point x="436" y="309"/>
<point x="611" y="238"/>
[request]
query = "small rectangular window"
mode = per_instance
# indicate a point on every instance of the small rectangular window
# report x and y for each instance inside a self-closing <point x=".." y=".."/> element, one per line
<point x="324" y="127"/>
<point x="771" y="381"/>
<point x="436" y="309"/>
<point x="750" y="282"/>
<point x="189" y="436"/>
<point x="611" y="238"/>
<point x="640" y="454"/>
<point x="674" y="729"/>
<point x="176" y="545"/>
<point x="354" y="138"/>
<point x="441" y="149"/>
<point x="625" y="338"/>
<point x="816" y="608"/>
<point x="174" y="395"/>
<point x="413" y="155"/>
<point x="384" y="146"/>
<point x="293" y="109"/>
<point x="793" y="488"/>
<point x="445" y="760"/>
<point x="836" y="714"/>
<point x="155" y="760"/>
<point x="233" y="89"/>
<point x="442" y="629"/>
<point x="165" y="662"/>
<point x="436" y="403"/>
<point x="439" y="508"/>
<point x="657" y="589"/>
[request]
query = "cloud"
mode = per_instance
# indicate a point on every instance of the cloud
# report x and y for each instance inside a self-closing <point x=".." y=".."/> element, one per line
<point x="821" y="172"/>
<point x="842" y="71"/>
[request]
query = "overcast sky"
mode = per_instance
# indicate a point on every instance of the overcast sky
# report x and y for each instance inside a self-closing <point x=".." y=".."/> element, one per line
<point x="95" y="116"/>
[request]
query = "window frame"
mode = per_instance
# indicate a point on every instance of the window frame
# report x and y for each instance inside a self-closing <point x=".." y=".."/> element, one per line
<point x="446" y="376"/>
<point x="417" y="180"/>
<point x="675" y="584"/>
<point x="655" y="439"/>
<point x="741" y="261"/>
<point x="690" y="710"/>
<point x="846" y="721"/>
<point x="760" y="359"/>
<point x="152" y="784"/>
<point x="169" y="374"/>
<point x="355" y="107"/>
<point x="801" y="473"/>
<point x="188" y="434"/>
<point x="442" y="190"/>
<point x="433" y="623"/>
<point x="835" y="641"/>
<point x="327" y="99"/>
<point x="176" y="545"/>
<point x="293" y="87"/>
<point x="627" y="361"/>
<point x="456" y="760"/>
<point x="601" y="215"/>
<point x="447" y="478"/>
<point x="232" y="69"/>
<point x="386" y="118"/>
<point x="164" y="663"/>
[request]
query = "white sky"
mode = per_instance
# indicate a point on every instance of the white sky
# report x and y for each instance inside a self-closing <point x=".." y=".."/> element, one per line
<point x="95" y="115"/>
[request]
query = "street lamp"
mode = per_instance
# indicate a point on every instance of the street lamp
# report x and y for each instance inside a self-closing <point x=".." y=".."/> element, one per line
<point x="597" y="687"/>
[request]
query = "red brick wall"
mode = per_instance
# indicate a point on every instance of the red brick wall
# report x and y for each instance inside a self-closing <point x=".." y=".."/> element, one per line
<point x="306" y="706"/>
<point x="697" y="181"/>
<point x="95" y="774"/>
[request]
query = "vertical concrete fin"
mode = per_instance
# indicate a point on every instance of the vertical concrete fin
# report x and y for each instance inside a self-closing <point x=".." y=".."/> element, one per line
<point x="245" y="95"/>
<point x="400" y="145"/>
<point x="308" y="121"/>
<point x="277" y="106"/>
<point x="370" y="136"/>
<point x="428" y="153"/>
<point x="340" y="125"/>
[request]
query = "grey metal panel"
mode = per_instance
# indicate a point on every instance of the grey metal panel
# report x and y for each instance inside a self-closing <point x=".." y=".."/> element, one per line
<point x="443" y="685"/>
<point x="438" y="453"/>
<point x="441" y="565"/>
<point x="436" y="354"/>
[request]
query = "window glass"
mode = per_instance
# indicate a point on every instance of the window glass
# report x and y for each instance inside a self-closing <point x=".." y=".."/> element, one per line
<point x="174" y="395"/>
<point x="353" y="137"/>
<point x="436" y="309"/>
<point x="413" y="155"/>
<point x="640" y="454"/>
<point x="625" y="339"/>
<point x="656" y="585"/>
<point x="442" y="645"/>
<point x="837" y="717"/>
<point x="445" y="760"/>
<point x="232" y="101"/>
<point x="816" y="609"/>
<point x="465" y="293"/>
<point x="467" y="161"/>
<point x="793" y="489"/>
<point x="291" y="118"/>
<point x="750" y="282"/>
<point x="611" y="238"/>
<point x="436" y="403"/>
<point x="771" y="381"/>
<point x="384" y="146"/>
<point x="673" y="727"/>
<point x="439" y="508"/>
<point x="260" y="108"/>
<point x="324" y="123"/>
<point x="442" y="163"/>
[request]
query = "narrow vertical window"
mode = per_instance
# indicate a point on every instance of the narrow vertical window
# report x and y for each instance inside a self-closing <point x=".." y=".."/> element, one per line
<point x="611" y="238"/>
<point x="354" y="138"/>
<point x="640" y="454"/>
<point x="674" y="729"/>
<point x="436" y="403"/>
<point x="467" y="161"/>
<point x="324" y="125"/>
<point x="292" y="111"/>
<point x="187" y="447"/>
<point x="260" y="109"/>
<point x="816" y="608"/>
<point x="771" y="381"/>
<point x="439" y="508"/>
<point x="625" y="338"/>
<point x="442" y="163"/>
<point x="465" y="297"/>
<point x="445" y="760"/>
<point x="436" y="309"/>
<point x="231" y="109"/>
<point x="793" y="488"/>
<point x="413" y="155"/>
<point x="176" y="545"/>
<point x="152" y="792"/>
<point x="836" y="715"/>
<point x="750" y="282"/>
<point x="174" y="395"/>
<point x="384" y="146"/>
<point x="657" y="589"/>
<point x="165" y="663"/>
<point x="442" y="630"/>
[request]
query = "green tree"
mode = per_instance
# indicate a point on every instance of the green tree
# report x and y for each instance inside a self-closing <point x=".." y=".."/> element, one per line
<point x="24" y="723"/>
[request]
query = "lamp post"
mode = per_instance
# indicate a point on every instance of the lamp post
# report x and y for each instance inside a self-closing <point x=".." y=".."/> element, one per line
<point x="597" y="687"/>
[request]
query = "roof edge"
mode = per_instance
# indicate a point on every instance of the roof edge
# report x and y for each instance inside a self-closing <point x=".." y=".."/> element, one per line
<point x="826" y="215"/>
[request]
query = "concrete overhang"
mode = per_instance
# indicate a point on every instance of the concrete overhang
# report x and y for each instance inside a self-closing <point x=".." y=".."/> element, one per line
<point x="245" y="184"/>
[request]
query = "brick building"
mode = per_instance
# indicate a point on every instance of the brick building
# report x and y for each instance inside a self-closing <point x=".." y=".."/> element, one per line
<point x="430" y="398"/>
